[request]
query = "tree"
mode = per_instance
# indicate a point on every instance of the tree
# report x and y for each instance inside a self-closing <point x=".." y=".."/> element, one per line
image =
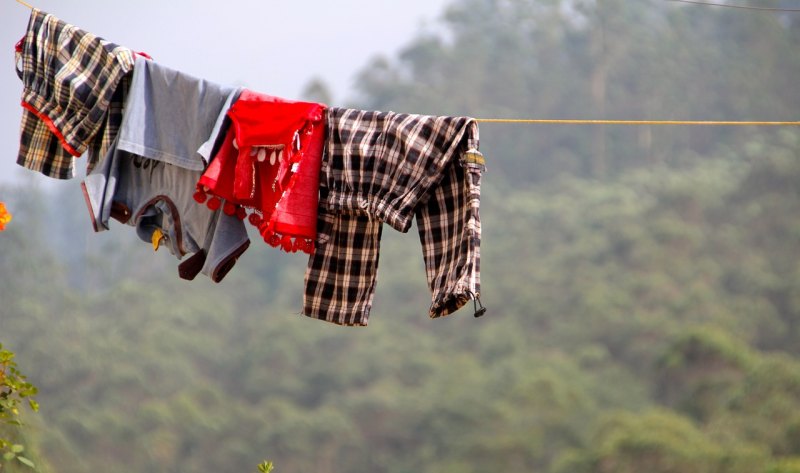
<point x="658" y="442"/>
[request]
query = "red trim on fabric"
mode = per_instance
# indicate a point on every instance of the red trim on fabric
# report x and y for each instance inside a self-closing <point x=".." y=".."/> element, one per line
<point x="89" y="206"/>
<point x="120" y="212"/>
<point x="191" y="267"/>
<point x="278" y="239"/>
<point x="18" y="46"/>
<point x="144" y="55"/>
<point x="50" y="125"/>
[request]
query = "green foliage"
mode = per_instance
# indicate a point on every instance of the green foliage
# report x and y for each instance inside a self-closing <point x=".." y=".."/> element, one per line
<point x="699" y="369"/>
<point x="13" y="454"/>
<point x="618" y="339"/>
<point x="14" y="388"/>
<point x="14" y="391"/>
<point x="658" y="442"/>
<point x="789" y="465"/>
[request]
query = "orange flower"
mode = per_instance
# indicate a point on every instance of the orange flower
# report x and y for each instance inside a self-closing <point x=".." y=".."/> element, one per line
<point x="5" y="217"/>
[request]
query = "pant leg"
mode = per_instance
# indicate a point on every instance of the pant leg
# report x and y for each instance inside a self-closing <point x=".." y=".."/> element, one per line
<point x="342" y="272"/>
<point x="450" y="233"/>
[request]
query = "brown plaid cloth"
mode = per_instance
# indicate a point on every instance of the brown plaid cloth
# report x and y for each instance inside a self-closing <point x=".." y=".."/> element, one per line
<point x="387" y="167"/>
<point x="109" y="129"/>
<point x="69" y="79"/>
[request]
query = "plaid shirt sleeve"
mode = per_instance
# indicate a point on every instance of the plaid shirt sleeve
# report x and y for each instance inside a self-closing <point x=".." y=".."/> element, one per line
<point x="69" y="77"/>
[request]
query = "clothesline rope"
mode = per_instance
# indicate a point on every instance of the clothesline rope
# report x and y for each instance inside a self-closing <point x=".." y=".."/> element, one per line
<point x="619" y="122"/>
<point x="636" y="122"/>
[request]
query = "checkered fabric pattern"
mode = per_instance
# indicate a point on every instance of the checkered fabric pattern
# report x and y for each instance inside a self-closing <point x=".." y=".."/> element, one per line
<point x="387" y="167"/>
<point x="108" y="131"/>
<point x="69" y="78"/>
<point x="449" y="228"/>
<point x="342" y="272"/>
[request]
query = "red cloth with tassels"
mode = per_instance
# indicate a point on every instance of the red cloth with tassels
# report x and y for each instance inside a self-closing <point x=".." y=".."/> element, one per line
<point x="268" y="167"/>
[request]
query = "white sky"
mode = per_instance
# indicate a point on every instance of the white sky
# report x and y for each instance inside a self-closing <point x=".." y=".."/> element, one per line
<point x="270" y="46"/>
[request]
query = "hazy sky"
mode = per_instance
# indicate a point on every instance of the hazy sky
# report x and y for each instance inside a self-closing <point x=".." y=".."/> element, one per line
<point x="274" y="47"/>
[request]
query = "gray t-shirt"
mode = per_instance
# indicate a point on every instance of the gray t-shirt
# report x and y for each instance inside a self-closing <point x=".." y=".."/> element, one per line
<point x="147" y="179"/>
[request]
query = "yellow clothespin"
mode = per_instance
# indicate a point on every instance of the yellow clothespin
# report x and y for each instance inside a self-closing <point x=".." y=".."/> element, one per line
<point x="157" y="238"/>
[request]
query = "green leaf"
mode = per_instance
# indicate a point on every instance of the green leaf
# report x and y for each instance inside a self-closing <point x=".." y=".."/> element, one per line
<point x="17" y="448"/>
<point x="8" y="456"/>
<point x="26" y="462"/>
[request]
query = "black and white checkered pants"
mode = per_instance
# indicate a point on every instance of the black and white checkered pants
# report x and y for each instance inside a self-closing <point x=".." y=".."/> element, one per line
<point x="383" y="167"/>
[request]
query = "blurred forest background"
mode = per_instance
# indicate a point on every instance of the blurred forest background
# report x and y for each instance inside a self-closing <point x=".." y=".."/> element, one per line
<point x="643" y="283"/>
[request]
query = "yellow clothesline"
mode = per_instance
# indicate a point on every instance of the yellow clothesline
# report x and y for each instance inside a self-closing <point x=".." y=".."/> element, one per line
<point x="635" y="122"/>
<point x="25" y="3"/>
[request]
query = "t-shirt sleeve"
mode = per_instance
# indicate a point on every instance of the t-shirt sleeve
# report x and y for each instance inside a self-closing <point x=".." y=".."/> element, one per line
<point x="228" y="241"/>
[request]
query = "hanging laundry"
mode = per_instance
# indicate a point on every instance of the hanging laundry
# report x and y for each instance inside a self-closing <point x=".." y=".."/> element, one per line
<point x="387" y="167"/>
<point x="268" y="166"/>
<point x="170" y="124"/>
<point x="69" y="79"/>
<point x="154" y="161"/>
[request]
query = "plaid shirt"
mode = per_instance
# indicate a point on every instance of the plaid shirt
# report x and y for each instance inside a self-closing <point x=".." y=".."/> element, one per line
<point x="387" y="167"/>
<point x="69" y="79"/>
